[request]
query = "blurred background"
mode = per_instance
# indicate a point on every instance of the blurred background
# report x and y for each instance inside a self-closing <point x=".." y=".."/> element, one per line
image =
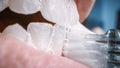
<point x="104" y="15"/>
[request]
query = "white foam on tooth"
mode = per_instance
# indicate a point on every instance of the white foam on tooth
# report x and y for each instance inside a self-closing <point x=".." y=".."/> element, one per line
<point x="62" y="12"/>
<point x="18" y="32"/>
<point x="25" y="6"/>
<point x="3" y="4"/>
<point x="40" y="33"/>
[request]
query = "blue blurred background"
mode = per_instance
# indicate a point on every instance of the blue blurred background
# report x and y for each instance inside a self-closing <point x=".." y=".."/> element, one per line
<point x="105" y="14"/>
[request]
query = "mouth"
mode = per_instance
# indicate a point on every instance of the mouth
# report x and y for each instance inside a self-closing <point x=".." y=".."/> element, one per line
<point x="62" y="26"/>
<point x="25" y="12"/>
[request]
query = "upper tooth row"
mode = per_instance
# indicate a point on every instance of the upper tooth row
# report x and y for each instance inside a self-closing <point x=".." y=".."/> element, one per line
<point x="21" y="6"/>
<point x="62" y="12"/>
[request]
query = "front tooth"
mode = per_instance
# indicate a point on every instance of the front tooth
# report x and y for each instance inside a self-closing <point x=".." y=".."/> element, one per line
<point x="62" y="12"/>
<point x="48" y="38"/>
<point x="57" y="39"/>
<point x="18" y="32"/>
<point x="24" y="6"/>
<point x="40" y="33"/>
<point x="3" y="4"/>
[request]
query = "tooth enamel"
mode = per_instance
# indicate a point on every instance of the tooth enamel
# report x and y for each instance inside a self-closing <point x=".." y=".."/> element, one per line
<point x="3" y="4"/>
<point x="25" y="6"/>
<point x="57" y="39"/>
<point x="40" y="33"/>
<point x="47" y="38"/>
<point x="18" y="32"/>
<point x="62" y="12"/>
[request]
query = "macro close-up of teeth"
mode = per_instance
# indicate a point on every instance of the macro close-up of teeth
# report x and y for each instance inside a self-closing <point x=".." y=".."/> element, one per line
<point x="67" y="37"/>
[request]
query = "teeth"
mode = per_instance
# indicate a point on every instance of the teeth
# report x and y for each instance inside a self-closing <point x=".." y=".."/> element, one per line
<point x="40" y="33"/>
<point x="57" y="39"/>
<point x="44" y="36"/>
<point x="24" y="6"/>
<point x="47" y="37"/>
<point x="18" y="32"/>
<point x="3" y="4"/>
<point x="62" y="12"/>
